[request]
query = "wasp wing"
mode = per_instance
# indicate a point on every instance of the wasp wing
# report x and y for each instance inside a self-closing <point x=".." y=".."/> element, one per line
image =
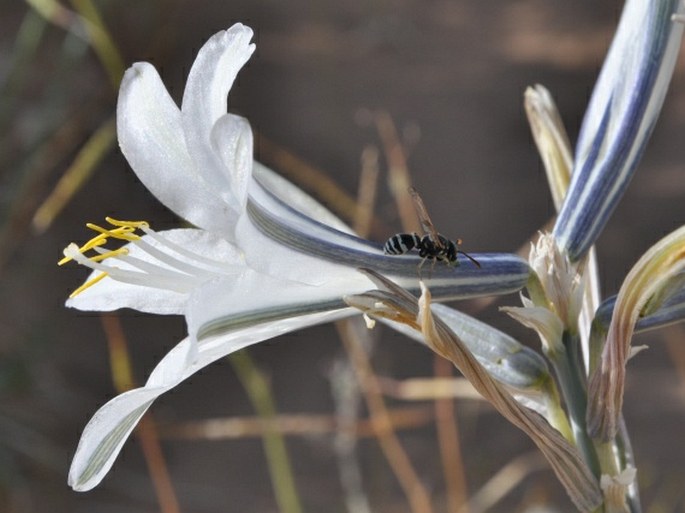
<point x="425" y="219"/>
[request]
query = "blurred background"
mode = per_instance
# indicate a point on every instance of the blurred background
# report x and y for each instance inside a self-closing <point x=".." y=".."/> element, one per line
<point x="450" y="77"/>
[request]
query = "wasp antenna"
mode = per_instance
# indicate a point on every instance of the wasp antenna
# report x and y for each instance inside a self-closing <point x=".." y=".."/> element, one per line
<point x="470" y="258"/>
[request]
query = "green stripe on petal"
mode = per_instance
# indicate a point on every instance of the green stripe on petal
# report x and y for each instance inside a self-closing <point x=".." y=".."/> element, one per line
<point x="86" y="472"/>
<point x="619" y="120"/>
<point x="111" y="425"/>
<point x="280" y="241"/>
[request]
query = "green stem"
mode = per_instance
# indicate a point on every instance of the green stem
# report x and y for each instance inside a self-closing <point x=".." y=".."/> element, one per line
<point x="625" y="450"/>
<point x="573" y="390"/>
<point x="616" y="455"/>
<point x="262" y="400"/>
<point x="557" y="415"/>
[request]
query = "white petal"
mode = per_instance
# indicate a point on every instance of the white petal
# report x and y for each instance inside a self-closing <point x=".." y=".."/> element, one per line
<point x="104" y="436"/>
<point x="268" y="256"/>
<point x="232" y="142"/>
<point x="111" y="425"/>
<point x="110" y="294"/>
<point x="230" y="302"/>
<point x="205" y="101"/>
<point x="151" y="137"/>
<point x="297" y="198"/>
<point x="548" y="326"/>
<point x="199" y="244"/>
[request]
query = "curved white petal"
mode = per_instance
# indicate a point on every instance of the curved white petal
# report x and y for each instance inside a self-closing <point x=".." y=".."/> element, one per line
<point x="297" y="198"/>
<point x="202" y="250"/>
<point x="232" y="142"/>
<point x="105" y="434"/>
<point x="111" y="425"/>
<point x="205" y="101"/>
<point x="151" y="137"/>
<point x="268" y="256"/>
<point x="274" y="255"/>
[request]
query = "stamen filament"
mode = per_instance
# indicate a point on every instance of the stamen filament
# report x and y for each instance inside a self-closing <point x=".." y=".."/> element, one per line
<point x="152" y="269"/>
<point x="157" y="280"/>
<point x="176" y="263"/>
<point x="169" y="268"/>
<point x="184" y="252"/>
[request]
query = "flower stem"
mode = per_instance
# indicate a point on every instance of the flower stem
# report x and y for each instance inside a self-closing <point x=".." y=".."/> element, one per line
<point x="260" y="395"/>
<point x="557" y="415"/>
<point x="573" y="391"/>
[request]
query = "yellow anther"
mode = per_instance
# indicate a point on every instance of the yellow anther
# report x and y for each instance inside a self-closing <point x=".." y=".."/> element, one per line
<point x="122" y="233"/>
<point x="87" y="285"/>
<point x="131" y="224"/>
<point x="109" y="254"/>
<point x="100" y="240"/>
<point x="122" y="230"/>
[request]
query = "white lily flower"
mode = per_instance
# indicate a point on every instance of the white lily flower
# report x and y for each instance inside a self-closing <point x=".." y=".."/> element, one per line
<point x="265" y="258"/>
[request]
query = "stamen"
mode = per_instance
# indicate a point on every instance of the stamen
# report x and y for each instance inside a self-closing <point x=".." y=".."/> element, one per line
<point x="64" y="260"/>
<point x="130" y="224"/>
<point x="99" y="240"/>
<point x="164" y="271"/>
<point x="190" y="255"/>
<point x="122" y="233"/>
<point x="87" y="285"/>
<point x="171" y="281"/>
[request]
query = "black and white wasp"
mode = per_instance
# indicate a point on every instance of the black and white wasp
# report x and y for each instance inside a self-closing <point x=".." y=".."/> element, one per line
<point x="431" y="246"/>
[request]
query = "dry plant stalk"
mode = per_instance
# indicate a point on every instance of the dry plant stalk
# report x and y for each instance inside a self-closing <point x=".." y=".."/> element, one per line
<point x="394" y="303"/>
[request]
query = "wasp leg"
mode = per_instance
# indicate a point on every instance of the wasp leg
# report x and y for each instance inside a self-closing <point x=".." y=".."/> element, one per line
<point x="432" y="267"/>
<point x="423" y="261"/>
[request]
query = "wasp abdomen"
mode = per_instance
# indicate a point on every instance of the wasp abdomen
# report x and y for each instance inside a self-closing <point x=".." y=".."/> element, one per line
<point x="401" y="243"/>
